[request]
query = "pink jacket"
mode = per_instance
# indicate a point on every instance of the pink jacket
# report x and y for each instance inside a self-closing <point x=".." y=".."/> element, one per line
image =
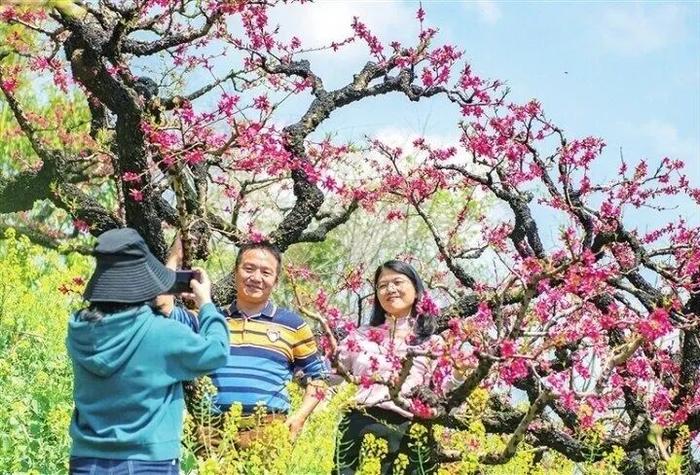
<point x="374" y="355"/>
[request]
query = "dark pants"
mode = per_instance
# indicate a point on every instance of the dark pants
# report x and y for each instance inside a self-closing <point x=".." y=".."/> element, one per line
<point x="382" y="424"/>
<point x="94" y="466"/>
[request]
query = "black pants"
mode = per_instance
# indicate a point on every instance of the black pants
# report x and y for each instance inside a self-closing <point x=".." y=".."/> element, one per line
<point x="386" y="425"/>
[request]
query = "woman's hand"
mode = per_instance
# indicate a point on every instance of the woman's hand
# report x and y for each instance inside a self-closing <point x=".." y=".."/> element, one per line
<point x="201" y="288"/>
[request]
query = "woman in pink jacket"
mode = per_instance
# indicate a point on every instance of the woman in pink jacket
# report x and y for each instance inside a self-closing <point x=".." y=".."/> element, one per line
<point x="374" y="355"/>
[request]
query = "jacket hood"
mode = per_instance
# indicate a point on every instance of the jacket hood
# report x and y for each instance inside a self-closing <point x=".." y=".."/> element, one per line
<point x="104" y="346"/>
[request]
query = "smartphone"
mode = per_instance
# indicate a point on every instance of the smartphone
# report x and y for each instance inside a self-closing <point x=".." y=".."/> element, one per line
<point x="182" y="281"/>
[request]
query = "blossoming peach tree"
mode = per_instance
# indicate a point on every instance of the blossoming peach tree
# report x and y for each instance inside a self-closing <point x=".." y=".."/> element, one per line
<point x="166" y="112"/>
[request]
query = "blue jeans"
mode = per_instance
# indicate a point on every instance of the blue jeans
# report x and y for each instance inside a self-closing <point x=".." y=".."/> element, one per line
<point x="94" y="466"/>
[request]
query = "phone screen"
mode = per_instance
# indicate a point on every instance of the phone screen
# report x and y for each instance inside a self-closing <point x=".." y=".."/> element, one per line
<point x="182" y="281"/>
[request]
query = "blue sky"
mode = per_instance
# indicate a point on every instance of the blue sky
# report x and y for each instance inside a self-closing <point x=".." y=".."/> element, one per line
<point x="628" y="72"/>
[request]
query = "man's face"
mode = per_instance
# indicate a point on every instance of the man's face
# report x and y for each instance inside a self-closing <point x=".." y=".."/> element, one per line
<point x="256" y="276"/>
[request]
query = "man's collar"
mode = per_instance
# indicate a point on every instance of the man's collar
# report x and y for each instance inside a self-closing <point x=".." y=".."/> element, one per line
<point x="268" y="311"/>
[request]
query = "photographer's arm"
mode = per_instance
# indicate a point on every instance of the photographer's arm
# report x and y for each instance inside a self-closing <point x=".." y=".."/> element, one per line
<point x="166" y="303"/>
<point x="198" y="354"/>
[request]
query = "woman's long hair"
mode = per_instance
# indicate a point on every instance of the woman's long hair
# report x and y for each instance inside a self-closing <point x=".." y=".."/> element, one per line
<point x="425" y="325"/>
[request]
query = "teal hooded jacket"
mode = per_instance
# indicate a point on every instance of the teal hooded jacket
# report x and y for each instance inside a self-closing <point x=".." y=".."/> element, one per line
<point x="128" y="371"/>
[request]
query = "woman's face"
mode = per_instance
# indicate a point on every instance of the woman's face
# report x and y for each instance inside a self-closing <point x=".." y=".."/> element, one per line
<point x="395" y="292"/>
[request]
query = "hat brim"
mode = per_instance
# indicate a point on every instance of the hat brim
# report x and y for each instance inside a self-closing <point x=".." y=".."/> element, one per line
<point x="130" y="281"/>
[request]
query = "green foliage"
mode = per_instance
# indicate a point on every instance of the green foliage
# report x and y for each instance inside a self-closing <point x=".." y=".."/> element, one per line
<point x="35" y="374"/>
<point x="474" y="442"/>
<point x="372" y="453"/>
<point x="678" y="459"/>
<point x="317" y="441"/>
<point x="272" y="452"/>
<point x="418" y="444"/>
<point x="62" y="122"/>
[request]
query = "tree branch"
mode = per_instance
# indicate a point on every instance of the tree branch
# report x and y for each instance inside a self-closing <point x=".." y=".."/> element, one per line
<point x="328" y="225"/>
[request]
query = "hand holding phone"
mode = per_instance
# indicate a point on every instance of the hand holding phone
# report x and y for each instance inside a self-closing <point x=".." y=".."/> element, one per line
<point x="182" y="281"/>
<point x="199" y="287"/>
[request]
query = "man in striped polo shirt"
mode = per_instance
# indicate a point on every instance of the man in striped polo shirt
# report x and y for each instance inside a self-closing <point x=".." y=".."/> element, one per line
<point x="269" y="344"/>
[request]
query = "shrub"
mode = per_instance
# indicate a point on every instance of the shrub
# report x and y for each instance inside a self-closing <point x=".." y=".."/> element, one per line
<point x="37" y="292"/>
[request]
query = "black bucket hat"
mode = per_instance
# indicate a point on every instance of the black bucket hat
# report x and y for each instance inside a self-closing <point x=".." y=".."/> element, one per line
<point x="126" y="270"/>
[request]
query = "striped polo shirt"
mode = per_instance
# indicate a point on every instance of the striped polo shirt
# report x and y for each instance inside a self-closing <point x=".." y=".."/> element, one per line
<point x="266" y="350"/>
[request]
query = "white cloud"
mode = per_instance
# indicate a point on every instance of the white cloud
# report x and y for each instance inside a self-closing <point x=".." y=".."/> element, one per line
<point x="668" y="142"/>
<point x="321" y="22"/>
<point x="488" y="10"/>
<point x="404" y="137"/>
<point x="658" y="139"/>
<point x="634" y="29"/>
<point x="399" y="137"/>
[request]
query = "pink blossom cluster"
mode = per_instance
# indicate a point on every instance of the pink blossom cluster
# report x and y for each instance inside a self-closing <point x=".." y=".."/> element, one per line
<point x="33" y="16"/>
<point x="362" y="32"/>
<point x="655" y="325"/>
<point x="427" y="306"/>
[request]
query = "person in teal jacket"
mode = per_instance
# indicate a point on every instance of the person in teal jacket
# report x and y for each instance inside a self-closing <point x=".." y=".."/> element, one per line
<point x="129" y="362"/>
